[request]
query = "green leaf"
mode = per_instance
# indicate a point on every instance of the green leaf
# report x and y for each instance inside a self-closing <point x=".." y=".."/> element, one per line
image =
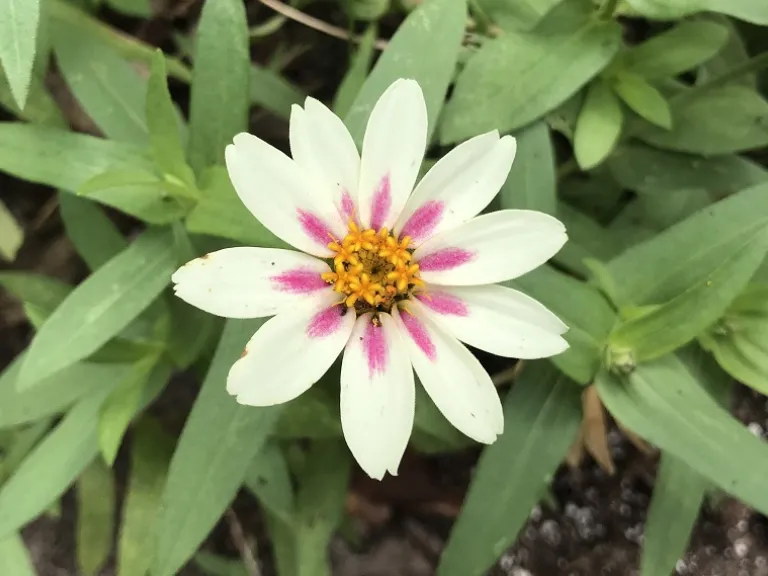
<point x="356" y="73"/>
<point x="107" y="86"/>
<point x="733" y="54"/>
<point x="269" y="480"/>
<point x="677" y="496"/>
<point x="162" y="121"/>
<point x="586" y="240"/>
<point x="519" y="77"/>
<point x="719" y="121"/>
<point x="644" y="99"/>
<point x="667" y="265"/>
<point x="214" y="565"/>
<point x="18" y="34"/>
<point x="95" y="237"/>
<point x="598" y="126"/>
<point x="314" y="414"/>
<point x="411" y="54"/>
<point x="138" y="193"/>
<point x="542" y="414"/>
<point x="11" y="234"/>
<point x="663" y="402"/>
<point x="675" y="323"/>
<point x="100" y="307"/>
<point x="586" y="312"/>
<point x="124" y="402"/>
<point x="273" y="92"/>
<point x="212" y="457"/>
<point x="647" y="170"/>
<point x="39" y="108"/>
<point x="20" y="445"/>
<point x="221" y="213"/>
<point x="739" y="342"/>
<point x="53" y="394"/>
<point x="219" y="98"/>
<point x="516" y="14"/>
<point x="14" y="558"/>
<point x="754" y="11"/>
<point x="95" y="517"/>
<point x="53" y="465"/>
<point x="532" y="182"/>
<point x="682" y="48"/>
<point x="137" y="8"/>
<point x="151" y="450"/>
<point x="431" y="430"/>
<point x="62" y="159"/>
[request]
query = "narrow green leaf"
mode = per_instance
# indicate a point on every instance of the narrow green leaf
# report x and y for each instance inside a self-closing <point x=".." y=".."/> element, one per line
<point x="14" y="558"/>
<point x="754" y="11"/>
<point x="542" y="414"/>
<point x="677" y="496"/>
<point x="53" y="394"/>
<point x="269" y="480"/>
<point x="598" y="127"/>
<point x="137" y="8"/>
<point x="95" y="237"/>
<point x="110" y="91"/>
<point x="212" y="457"/>
<point x="517" y="14"/>
<point x="100" y="307"/>
<point x="682" y="48"/>
<point x="214" y="565"/>
<point x="273" y="92"/>
<point x="733" y="54"/>
<point x="521" y="76"/>
<point x="39" y="108"/>
<point x="586" y="240"/>
<point x="11" y="234"/>
<point x="151" y="450"/>
<point x="644" y="99"/>
<point x="719" y="121"/>
<point x="314" y="414"/>
<point x="667" y="265"/>
<point x="95" y="517"/>
<point x="59" y="158"/>
<point x="162" y="122"/>
<point x="431" y="430"/>
<point x="675" y="323"/>
<point x="221" y="213"/>
<point x="219" y="98"/>
<point x="18" y="34"/>
<point x="663" y="402"/>
<point x="532" y="181"/>
<point x="356" y="73"/>
<point x="586" y="312"/>
<point x="121" y="406"/>
<point x="411" y="54"/>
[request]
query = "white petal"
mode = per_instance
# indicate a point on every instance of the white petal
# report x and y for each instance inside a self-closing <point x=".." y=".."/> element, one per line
<point x="458" y="187"/>
<point x="250" y="282"/>
<point x="496" y="319"/>
<point x="377" y="395"/>
<point x="280" y="195"/>
<point x="393" y="148"/>
<point x="454" y="379"/>
<point x="289" y="353"/>
<point x="491" y="248"/>
<point x="323" y="147"/>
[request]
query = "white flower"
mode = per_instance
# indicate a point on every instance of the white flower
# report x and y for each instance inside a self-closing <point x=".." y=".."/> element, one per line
<point x="393" y="276"/>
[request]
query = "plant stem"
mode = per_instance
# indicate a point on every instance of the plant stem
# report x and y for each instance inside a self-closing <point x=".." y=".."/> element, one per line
<point x="606" y="10"/>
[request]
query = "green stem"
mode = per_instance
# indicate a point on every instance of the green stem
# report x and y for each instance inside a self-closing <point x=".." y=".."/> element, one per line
<point x="606" y="10"/>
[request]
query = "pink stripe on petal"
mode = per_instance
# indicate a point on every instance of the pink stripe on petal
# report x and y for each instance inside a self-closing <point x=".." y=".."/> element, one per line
<point x="315" y="227"/>
<point x="444" y="303"/>
<point x="300" y="281"/>
<point x="381" y="204"/>
<point x="419" y="334"/>
<point x="424" y="220"/>
<point x="347" y="208"/>
<point x="325" y="322"/>
<point x="445" y="259"/>
<point x="375" y="348"/>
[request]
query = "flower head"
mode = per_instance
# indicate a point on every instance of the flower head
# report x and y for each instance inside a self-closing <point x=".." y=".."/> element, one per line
<point x="395" y="277"/>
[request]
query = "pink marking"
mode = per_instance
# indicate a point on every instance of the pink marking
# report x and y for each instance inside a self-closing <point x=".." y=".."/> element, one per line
<point x="314" y="227"/>
<point x="375" y="348"/>
<point x="444" y="303"/>
<point x="445" y="259"/>
<point x="300" y="281"/>
<point x="325" y="322"/>
<point x="422" y="222"/>
<point x="347" y="205"/>
<point x="381" y="203"/>
<point x="419" y="334"/>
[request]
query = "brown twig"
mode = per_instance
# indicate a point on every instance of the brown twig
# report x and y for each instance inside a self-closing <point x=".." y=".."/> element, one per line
<point x="508" y="375"/>
<point x="317" y="24"/>
<point x="238" y="535"/>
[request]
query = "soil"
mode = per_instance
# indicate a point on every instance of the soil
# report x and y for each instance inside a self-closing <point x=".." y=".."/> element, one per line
<point x="593" y="525"/>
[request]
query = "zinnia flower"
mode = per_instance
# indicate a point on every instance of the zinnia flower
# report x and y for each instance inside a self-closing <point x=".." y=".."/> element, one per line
<point x="395" y="277"/>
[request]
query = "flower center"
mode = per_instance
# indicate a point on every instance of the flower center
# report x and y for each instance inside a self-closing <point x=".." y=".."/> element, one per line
<point x="372" y="270"/>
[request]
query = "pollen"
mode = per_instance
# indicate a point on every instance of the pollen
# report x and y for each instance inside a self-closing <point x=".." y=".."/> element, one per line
<point x="372" y="270"/>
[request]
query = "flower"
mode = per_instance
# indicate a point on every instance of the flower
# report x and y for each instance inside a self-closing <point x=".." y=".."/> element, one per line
<point x="395" y="277"/>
